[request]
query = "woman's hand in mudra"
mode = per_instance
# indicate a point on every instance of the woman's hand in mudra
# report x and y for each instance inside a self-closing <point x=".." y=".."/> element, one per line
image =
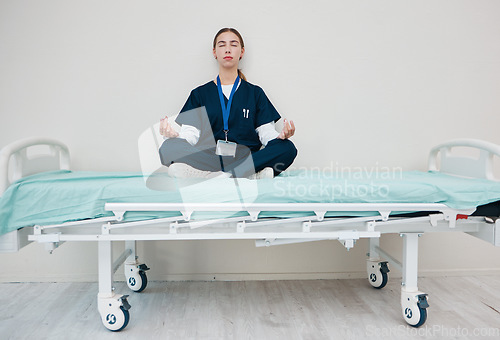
<point x="166" y="129"/>
<point x="288" y="129"/>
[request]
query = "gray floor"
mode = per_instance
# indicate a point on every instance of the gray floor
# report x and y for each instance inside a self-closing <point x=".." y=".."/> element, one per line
<point x="460" y="308"/>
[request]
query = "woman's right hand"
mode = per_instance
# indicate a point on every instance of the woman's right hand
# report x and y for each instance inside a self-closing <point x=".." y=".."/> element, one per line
<point x="166" y="129"/>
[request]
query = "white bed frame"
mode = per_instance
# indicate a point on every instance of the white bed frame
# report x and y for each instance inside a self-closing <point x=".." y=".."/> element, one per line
<point x="16" y="162"/>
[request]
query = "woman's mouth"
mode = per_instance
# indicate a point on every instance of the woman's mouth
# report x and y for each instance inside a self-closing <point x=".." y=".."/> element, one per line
<point x="228" y="58"/>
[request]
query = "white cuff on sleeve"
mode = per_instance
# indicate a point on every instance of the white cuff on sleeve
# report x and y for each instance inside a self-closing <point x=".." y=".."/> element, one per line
<point x="190" y="134"/>
<point x="267" y="132"/>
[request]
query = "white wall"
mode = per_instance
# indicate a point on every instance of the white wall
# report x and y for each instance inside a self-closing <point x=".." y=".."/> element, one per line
<point x="368" y="83"/>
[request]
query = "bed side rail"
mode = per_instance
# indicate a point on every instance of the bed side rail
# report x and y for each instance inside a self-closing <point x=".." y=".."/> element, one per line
<point x="30" y="156"/>
<point x="482" y="167"/>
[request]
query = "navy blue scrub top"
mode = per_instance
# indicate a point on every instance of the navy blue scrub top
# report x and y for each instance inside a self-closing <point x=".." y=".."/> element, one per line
<point x="250" y="109"/>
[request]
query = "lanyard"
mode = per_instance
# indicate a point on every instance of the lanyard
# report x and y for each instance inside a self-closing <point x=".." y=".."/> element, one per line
<point x="226" y="109"/>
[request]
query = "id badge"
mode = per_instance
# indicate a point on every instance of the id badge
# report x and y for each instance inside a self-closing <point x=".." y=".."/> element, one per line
<point x="225" y="148"/>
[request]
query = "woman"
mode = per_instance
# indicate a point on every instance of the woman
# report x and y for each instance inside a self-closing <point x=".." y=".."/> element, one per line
<point x="225" y="123"/>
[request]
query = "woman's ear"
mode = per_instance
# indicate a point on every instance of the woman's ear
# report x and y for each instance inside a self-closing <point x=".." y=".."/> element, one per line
<point x="215" y="54"/>
<point x="242" y="52"/>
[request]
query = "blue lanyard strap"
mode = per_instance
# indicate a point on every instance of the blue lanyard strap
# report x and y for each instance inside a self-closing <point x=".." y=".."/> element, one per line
<point x="226" y="109"/>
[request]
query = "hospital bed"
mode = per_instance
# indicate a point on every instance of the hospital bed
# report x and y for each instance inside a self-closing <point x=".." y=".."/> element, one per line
<point x="43" y="201"/>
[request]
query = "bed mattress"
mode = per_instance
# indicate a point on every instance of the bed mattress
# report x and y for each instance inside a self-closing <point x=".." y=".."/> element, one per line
<point x="62" y="196"/>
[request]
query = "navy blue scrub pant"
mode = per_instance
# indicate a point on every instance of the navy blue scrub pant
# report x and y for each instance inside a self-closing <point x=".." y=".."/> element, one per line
<point x="278" y="154"/>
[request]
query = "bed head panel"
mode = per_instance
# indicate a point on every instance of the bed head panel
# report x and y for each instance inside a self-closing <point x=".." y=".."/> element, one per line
<point x="445" y="158"/>
<point x="30" y="156"/>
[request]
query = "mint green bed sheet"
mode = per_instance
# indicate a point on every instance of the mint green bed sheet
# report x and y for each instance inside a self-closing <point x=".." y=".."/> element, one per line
<point x="62" y="196"/>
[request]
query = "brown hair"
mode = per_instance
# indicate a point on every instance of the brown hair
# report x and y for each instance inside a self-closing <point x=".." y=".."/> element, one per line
<point x="232" y="30"/>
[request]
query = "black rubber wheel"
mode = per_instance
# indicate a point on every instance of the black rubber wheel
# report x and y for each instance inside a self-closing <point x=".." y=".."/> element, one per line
<point x="140" y="284"/>
<point x="373" y="278"/>
<point x="423" y="316"/>
<point x="111" y="320"/>
<point x="144" y="284"/>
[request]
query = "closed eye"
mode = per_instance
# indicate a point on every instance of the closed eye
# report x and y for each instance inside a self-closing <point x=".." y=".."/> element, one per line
<point x="234" y="43"/>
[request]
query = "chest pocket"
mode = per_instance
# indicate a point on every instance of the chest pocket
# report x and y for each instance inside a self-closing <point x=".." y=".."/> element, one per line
<point x="243" y="124"/>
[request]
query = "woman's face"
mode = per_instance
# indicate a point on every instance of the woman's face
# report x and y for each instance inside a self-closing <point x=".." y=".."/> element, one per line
<point x="228" y="50"/>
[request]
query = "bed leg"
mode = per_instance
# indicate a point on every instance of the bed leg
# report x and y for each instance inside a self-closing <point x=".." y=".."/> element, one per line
<point x="112" y="307"/>
<point x="131" y="245"/>
<point x="377" y="270"/>
<point x="413" y="302"/>
<point x="135" y="272"/>
<point x="105" y="268"/>
<point x="374" y="244"/>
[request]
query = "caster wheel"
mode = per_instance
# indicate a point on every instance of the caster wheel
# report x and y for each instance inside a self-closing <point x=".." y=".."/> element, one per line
<point x="415" y="317"/>
<point x="138" y="282"/>
<point x="377" y="274"/>
<point x="414" y="307"/>
<point x="115" y="321"/>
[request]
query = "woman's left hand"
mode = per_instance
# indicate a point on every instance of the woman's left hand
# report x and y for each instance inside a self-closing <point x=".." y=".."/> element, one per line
<point x="288" y="130"/>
